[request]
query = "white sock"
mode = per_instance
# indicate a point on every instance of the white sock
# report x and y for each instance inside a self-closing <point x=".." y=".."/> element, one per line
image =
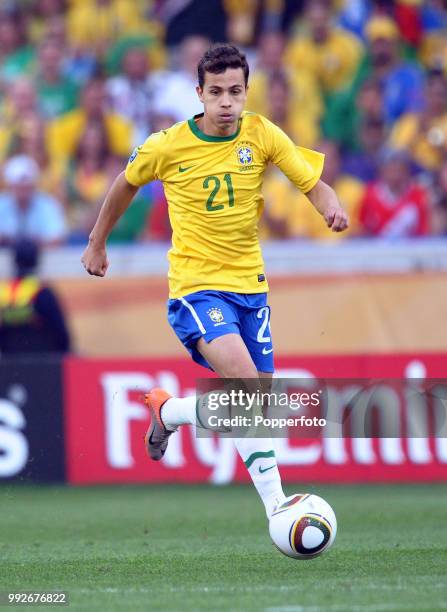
<point x="257" y="453"/>
<point x="193" y="410"/>
<point x="259" y="458"/>
<point x="179" y="411"/>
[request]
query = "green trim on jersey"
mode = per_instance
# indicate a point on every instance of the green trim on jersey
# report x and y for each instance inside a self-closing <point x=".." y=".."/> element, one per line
<point x="198" y="132"/>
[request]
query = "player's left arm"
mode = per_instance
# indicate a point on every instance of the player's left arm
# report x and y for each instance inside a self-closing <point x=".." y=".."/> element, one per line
<point x="304" y="167"/>
<point x="325" y="200"/>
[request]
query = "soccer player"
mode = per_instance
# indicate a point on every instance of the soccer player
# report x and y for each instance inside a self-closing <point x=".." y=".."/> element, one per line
<point x="212" y="167"/>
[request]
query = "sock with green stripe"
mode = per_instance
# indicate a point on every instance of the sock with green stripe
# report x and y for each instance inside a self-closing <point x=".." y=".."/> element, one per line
<point x="260" y="461"/>
<point x="257" y="453"/>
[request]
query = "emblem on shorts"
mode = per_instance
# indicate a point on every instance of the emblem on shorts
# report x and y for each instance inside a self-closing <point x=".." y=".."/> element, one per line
<point x="215" y="314"/>
<point x="245" y="155"/>
<point x="133" y="156"/>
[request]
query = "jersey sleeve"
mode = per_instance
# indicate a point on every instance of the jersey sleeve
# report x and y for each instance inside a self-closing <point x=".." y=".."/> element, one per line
<point x="301" y="166"/>
<point x="143" y="165"/>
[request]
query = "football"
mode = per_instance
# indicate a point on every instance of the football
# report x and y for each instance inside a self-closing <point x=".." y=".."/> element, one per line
<point x="303" y="526"/>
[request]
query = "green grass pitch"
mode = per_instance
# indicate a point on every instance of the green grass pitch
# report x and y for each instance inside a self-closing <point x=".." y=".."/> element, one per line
<point x="204" y="548"/>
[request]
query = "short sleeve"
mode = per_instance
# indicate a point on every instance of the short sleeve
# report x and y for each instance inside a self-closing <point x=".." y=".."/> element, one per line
<point x="301" y="166"/>
<point x="143" y="164"/>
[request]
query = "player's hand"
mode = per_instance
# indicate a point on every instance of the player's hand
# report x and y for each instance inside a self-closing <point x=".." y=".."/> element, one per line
<point x="95" y="260"/>
<point x="336" y="218"/>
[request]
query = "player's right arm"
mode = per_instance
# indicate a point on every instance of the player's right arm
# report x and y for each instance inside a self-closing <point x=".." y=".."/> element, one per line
<point x="142" y="168"/>
<point x="117" y="201"/>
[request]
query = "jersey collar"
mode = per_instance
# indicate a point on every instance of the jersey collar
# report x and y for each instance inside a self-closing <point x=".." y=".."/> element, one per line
<point x="198" y="132"/>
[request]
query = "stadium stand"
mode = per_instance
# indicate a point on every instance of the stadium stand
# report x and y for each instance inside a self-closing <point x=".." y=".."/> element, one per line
<point x="356" y="78"/>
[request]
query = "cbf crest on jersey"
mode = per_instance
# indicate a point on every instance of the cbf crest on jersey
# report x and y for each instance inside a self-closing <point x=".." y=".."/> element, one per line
<point x="245" y="155"/>
<point x="215" y="314"/>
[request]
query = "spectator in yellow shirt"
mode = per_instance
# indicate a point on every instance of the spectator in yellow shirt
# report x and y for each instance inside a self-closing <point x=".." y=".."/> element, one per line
<point x="272" y="82"/>
<point x="20" y="102"/>
<point x="302" y="127"/>
<point x="424" y="133"/>
<point x="329" y="53"/>
<point x="64" y="132"/>
<point x="88" y="178"/>
<point x="30" y="141"/>
<point x="288" y="213"/>
<point x="97" y="24"/>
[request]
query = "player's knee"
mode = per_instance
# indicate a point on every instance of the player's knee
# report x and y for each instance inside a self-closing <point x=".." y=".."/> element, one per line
<point x="239" y="370"/>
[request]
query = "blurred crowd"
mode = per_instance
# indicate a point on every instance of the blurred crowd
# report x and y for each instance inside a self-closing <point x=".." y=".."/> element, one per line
<point x="82" y="82"/>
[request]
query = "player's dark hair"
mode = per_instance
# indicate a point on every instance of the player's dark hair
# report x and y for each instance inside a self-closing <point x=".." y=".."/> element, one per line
<point x="218" y="58"/>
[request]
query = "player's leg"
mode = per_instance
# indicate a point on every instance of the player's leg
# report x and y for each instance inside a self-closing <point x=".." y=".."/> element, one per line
<point x="209" y="327"/>
<point x="258" y="455"/>
<point x="230" y="358"/>
<point x="255" y="332"/>
<point x="203" y="314"/>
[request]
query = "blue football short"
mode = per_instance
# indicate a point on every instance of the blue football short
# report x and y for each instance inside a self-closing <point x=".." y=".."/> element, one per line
<point x="210" y="314"/>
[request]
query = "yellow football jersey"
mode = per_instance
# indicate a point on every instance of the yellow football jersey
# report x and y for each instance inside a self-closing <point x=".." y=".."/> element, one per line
<point x="213" y="187"/>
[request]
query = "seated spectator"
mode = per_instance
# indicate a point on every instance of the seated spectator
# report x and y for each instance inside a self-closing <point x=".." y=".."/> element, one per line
<point x="433" y="46"/>
<point x="31" y="141"/>
<point x="88" y="179"/>
<point x="79" y="65"/>
<point x="433" y="50"/>
<point x="368" y="107"/>
<point x="31" y="317"/>
<point x="175" y="92"/>
<point x="42" y="13"/>
<point x="25" y="211"/>
<point x="65" y="131"/>
<point x="20" y="102"/>
<point x="424" y="134"/>
<point x="16" y="55"/>
<point x="400" y="82"/>
<point x="364" y="163"/>
<point x="329" y="53"/>
<point x="395" y="206"/>
<point x="241" y="20"/>
<point x="289" y="214"/>
<point x="298" y="87"/>
<point x="98" y="24"/>
<point x="56" y="93"/>
<point x="131" y="92"/>
<point x="302" y="128"/>
<point x="246" y="18"/>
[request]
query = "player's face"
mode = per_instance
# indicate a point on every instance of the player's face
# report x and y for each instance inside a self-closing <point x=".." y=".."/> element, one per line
<point x="223" y="96"/>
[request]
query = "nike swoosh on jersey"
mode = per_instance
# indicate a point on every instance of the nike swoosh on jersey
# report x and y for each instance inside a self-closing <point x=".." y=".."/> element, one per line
<point x="266" y="351"/>
<point x="180" y="169"/>
<point x="261" y="471"/>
